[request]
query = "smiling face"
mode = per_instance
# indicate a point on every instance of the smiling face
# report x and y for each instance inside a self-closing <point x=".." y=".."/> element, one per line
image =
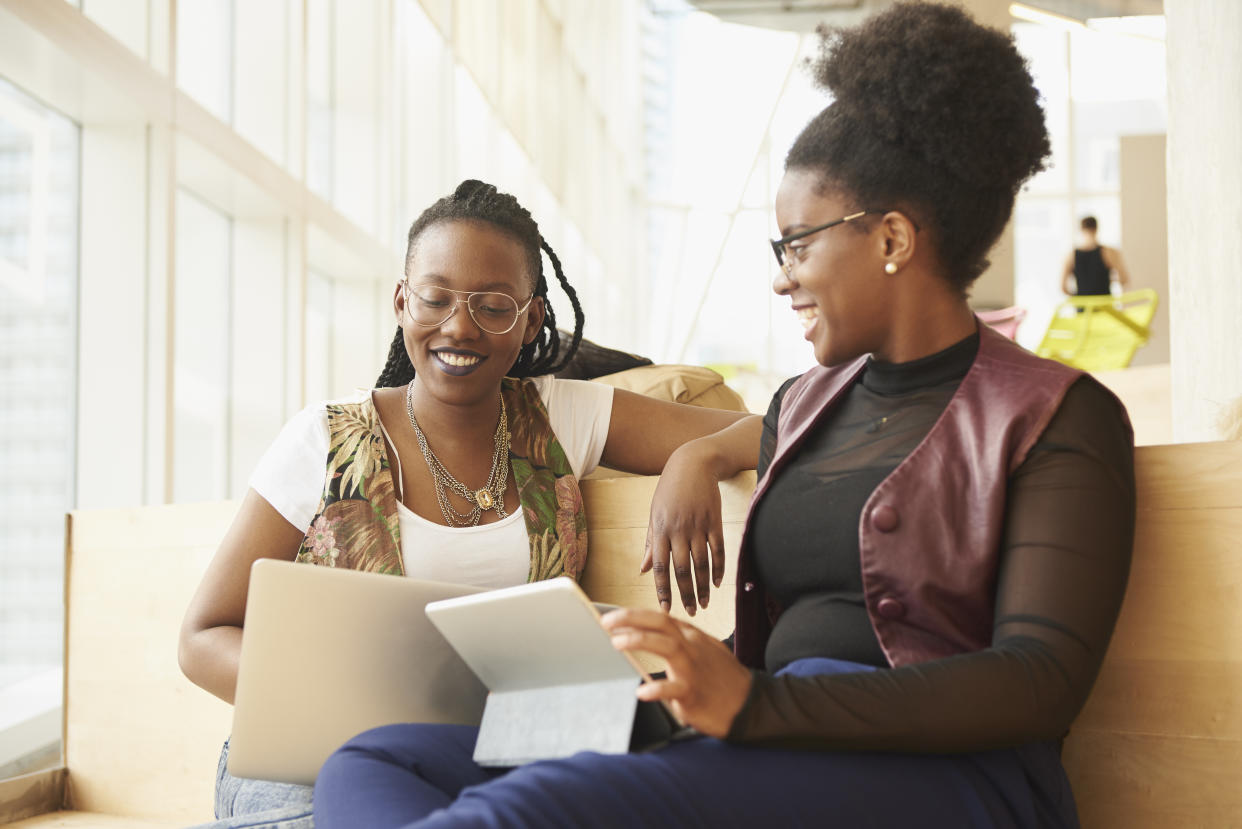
<point x="457" y="361"/>
<point x="838" y="287"/>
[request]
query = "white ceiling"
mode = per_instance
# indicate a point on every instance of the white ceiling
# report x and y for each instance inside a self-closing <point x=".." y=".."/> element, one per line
<point x="805" y="15"/>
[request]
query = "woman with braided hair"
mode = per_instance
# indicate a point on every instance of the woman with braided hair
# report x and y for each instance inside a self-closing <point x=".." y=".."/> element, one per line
<point x="461" y="466"/>
<point x="938" y="544"/>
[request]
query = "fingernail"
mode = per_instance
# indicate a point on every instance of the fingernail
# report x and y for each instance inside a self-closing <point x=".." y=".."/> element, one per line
<point x="703" y="600"/>
<point x="666" y="606"/>
<point x="690" y="609"/>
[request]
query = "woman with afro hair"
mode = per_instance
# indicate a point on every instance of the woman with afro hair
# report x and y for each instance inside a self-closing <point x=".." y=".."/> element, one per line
<point x="939" y="541"/>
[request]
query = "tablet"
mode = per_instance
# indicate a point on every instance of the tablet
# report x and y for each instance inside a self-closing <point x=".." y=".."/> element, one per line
<point x="555" y="683"/>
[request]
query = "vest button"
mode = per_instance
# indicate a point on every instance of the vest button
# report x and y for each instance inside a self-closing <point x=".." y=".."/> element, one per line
<point x="890" y="608"/>
<point x="884" y="518"/>
<point x="748" y="586"/>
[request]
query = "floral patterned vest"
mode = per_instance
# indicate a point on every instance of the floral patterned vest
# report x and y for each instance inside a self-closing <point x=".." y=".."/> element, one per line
<point x="356" y="523"/>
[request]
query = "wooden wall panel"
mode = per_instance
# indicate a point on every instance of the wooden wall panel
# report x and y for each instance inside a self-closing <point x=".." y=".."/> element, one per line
<point x="1196" y="699"/>
<point x="1195" y="476"/>
<point x="140" y="739"/>
<point x="1185" y="580"/>
<point x="1139" y="781"/>
<point x="1159" y="741"/>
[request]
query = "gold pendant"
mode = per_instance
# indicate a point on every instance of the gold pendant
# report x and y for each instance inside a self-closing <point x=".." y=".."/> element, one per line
<point x="484" y="499"/>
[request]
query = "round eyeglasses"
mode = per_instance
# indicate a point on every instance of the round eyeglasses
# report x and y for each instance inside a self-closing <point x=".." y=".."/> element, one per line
<point x="431" y="305"/>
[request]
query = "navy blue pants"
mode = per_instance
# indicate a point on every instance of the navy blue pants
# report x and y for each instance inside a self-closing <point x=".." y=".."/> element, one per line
<point x="423" y="776"/>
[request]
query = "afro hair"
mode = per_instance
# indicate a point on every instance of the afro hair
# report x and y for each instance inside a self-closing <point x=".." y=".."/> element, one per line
<point x="932" y="113"/>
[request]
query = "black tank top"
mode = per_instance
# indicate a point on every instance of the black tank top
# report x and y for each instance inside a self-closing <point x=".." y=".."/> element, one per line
<point x="1091" y="272"/>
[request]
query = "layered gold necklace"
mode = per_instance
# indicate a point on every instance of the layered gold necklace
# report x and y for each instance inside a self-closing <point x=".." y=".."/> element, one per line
<point x="491" y="496"/>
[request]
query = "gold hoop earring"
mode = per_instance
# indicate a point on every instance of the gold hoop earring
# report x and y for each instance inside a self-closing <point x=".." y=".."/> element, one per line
<point x="890" y="268"/>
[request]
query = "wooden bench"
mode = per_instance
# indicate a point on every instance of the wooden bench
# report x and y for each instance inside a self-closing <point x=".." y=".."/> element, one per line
<point x="1159" y="743"/>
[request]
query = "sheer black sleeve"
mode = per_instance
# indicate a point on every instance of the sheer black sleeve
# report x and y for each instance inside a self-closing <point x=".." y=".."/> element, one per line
<point x="767" y="442"/>
<point x="1068" y="535"/>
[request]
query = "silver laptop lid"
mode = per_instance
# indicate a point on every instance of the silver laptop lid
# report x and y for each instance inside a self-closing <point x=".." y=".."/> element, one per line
<point x="327" y="654"/>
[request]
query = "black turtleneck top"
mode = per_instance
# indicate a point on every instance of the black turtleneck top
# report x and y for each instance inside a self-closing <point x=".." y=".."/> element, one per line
<point x="879" y="421"/>
<point x="1063" y="565"/>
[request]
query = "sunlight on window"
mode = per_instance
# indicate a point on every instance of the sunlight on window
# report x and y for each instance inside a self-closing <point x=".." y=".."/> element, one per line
<point x="201" y="351"/>
<point x="205" y="54"/>
<point x="1097" y="83"/>
<point x="730" y="123"/>
<point x="38" y="381"/>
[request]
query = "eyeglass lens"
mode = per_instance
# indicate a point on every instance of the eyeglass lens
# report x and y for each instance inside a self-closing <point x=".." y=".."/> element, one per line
<point x="430" y="305"/>
<point x="783" y="260"/>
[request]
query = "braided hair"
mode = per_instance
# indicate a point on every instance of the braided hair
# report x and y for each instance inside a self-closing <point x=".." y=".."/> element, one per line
<point x="934" y="114"/>
<point x="479" y="202"/>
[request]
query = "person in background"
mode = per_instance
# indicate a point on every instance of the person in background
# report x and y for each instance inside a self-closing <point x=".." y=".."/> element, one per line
<point x="939" y="541"/>
<point x="462" y="464"/>
<point x="1092" y="268"/>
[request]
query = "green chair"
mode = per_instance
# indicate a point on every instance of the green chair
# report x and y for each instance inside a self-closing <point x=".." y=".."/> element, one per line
<point x="1096" y="333"/>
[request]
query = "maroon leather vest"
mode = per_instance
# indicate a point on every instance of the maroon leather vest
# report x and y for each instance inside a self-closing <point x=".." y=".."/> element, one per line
<point x="929" y="535"/>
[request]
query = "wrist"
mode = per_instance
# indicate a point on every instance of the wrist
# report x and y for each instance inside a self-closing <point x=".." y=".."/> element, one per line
<point x="738" y="724"/>
<point x="704" y="454"/>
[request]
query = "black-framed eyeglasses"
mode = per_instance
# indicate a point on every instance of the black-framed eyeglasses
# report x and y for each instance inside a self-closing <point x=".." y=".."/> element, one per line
<point x="782" y="255"/>
<point x="430" y="305"/>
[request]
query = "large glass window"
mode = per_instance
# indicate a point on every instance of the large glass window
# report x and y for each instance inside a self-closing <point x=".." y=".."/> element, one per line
<point x="205" y="54"/>
<point x="201" y="342"/>
<point x="320" y="97"/>
<point x="1097" y="83"/>
<point x="344" y="103"/>
<point x="38" y="382"/>
<point x="425" y="107"/>
<point x="726" y="126"/>
<point x="320" y="325"/>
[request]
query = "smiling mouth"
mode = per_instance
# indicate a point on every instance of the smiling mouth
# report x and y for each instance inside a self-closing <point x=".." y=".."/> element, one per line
<point x="807" y="316"/>
<point x="455" y="363"/>
<point x="459" y="360"/>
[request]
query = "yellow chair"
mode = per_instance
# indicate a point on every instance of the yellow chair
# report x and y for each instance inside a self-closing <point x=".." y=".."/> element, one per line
<point x="1095" y="333"/>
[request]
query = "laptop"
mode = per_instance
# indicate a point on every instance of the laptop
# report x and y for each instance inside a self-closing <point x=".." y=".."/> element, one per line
<point x="556" y="684"/>
<point x="327" y="654"/>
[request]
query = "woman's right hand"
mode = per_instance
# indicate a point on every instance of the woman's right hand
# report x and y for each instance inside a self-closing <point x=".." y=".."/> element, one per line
<point x="685" y="533"/>
<point x="705" y="686"/>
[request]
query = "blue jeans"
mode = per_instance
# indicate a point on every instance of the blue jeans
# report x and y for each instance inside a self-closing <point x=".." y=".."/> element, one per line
<point x="423" y="776"/>
<point x="242" y="803"/>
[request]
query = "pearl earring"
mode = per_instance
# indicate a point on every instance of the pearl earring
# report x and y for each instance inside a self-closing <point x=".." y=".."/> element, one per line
<point x="890" y="268"/>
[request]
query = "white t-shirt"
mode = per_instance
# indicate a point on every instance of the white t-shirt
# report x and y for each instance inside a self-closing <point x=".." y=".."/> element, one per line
<point x="290" y="474"/>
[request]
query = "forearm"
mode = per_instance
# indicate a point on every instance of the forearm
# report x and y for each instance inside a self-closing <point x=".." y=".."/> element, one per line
<point x="643" y="433"/>
<point x="209" y="659"/>
<point x="989" y="699"/>
<point x="731" y="450"/>
<point x="211" y="633"/>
